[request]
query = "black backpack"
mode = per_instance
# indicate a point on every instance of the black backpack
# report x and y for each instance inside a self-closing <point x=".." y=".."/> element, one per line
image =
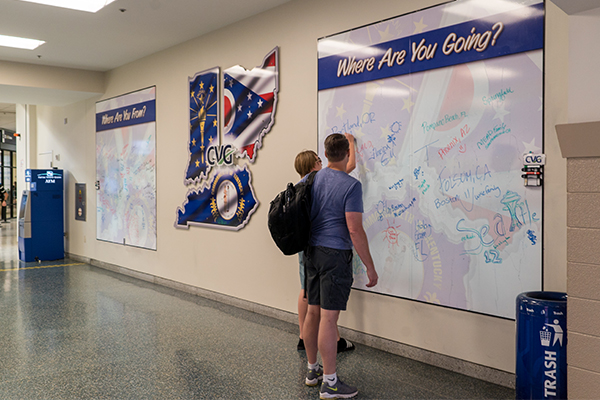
<point x="289" y="216"/>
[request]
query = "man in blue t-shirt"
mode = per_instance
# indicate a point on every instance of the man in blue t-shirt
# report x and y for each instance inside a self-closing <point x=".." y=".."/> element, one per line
<point x="336" y="226"/>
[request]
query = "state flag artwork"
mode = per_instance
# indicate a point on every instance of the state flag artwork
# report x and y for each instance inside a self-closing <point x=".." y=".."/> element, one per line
<point x="219" y="191"/>
<point x="227" y="203"/>
<point x="250" y="99"/>
<point x="204" y="122"/>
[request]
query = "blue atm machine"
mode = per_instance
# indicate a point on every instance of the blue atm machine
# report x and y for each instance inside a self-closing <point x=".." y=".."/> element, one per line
<point x="41" y="216"/>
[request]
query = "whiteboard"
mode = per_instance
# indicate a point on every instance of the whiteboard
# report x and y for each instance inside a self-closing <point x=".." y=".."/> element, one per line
<point x="126" y="169"/>
<point x="440" y="138"/>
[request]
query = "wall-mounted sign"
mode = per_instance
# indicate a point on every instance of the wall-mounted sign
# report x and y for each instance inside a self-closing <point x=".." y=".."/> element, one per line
<point x="220" y="194"/>
<point x="126" y="169"/>
<point x="443" y="104"/>
<point x="7" y="140"/>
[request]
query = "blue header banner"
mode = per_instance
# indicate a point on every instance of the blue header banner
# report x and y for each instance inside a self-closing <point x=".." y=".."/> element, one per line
<point x="134" y="114"/>
<point x="495" y="36"/>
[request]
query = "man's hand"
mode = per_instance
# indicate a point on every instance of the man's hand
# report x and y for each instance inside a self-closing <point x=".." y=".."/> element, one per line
<point x="373" y="277"/>
<point x="361" y="244"/>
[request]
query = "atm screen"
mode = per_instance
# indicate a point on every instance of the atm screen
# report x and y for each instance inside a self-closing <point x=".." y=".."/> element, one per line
<point x="23" y="206"/>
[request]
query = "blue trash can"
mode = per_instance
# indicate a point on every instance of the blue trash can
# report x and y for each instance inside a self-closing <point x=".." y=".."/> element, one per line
<point x="541" y="345"/>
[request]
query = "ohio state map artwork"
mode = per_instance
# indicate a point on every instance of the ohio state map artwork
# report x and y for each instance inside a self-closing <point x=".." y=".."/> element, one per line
<point x="250" y="100"/>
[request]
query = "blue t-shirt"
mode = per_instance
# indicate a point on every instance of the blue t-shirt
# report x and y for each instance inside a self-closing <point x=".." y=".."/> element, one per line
<point x="334" y="193"/>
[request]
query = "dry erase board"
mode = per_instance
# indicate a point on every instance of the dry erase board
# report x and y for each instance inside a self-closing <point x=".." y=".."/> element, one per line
<point x="443" y="104"/>
<point x="126" y="169"/>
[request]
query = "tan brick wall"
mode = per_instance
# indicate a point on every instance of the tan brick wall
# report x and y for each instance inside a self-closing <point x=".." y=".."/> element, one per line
<point x="583" y="277"/>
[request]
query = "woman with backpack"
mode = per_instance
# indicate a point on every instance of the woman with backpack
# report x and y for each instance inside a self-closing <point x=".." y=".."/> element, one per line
<point x="306" y="162"/>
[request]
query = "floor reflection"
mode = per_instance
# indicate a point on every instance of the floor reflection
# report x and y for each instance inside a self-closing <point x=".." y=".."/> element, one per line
<point x="69" y="330"/>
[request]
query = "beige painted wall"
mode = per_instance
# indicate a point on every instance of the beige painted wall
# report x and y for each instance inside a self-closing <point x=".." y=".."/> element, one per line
<point x="584" y="56"/>
<point x="246" y="264"/>
<point x="37" y="76"/>
<point x="35" y="84"/>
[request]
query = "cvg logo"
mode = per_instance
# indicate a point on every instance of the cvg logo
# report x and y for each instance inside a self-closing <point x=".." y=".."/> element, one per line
<point x="220" y="155"/>
<point x="534" y="159"/>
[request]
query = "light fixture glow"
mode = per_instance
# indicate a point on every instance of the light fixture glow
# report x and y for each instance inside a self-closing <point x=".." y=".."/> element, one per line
<point x="80" y="5"/>
<point x="20" y="43"/>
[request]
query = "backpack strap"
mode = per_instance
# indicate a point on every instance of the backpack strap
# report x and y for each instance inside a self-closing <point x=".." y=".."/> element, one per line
<point x="309" y="181"/>
<point x="311" y="177"/>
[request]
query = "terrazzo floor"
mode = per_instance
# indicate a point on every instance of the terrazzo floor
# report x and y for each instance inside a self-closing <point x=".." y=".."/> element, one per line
<point x="69" y="330"/>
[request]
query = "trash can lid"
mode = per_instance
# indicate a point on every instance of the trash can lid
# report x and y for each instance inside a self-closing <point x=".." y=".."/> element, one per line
<point x="544" y="296"/>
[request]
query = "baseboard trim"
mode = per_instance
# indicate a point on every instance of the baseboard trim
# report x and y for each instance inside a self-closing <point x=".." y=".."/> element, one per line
<point x="467" y="368"/>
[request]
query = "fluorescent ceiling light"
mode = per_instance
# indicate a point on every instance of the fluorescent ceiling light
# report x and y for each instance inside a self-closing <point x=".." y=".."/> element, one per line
<point x="81" y="5"/>
<point x="20" y="43"/>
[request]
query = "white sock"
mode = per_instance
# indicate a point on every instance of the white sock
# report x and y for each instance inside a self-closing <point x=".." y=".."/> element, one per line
<point x="314" y="366"/>
<point x="331" y="379"/>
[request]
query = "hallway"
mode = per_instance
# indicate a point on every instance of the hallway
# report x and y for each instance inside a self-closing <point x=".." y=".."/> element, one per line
<point x="70" y="330"/>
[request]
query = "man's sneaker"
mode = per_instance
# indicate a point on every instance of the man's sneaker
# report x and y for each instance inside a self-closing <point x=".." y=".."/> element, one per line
<point x="338" y="391"/>
<point x="314" y="376"/>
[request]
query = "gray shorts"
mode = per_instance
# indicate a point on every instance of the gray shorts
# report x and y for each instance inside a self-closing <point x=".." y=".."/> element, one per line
<point x="328" y="277"/>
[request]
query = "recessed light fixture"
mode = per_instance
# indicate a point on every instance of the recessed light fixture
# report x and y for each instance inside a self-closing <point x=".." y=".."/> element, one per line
<point x="20" y="43"/>
<point x="81" y="5"/>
